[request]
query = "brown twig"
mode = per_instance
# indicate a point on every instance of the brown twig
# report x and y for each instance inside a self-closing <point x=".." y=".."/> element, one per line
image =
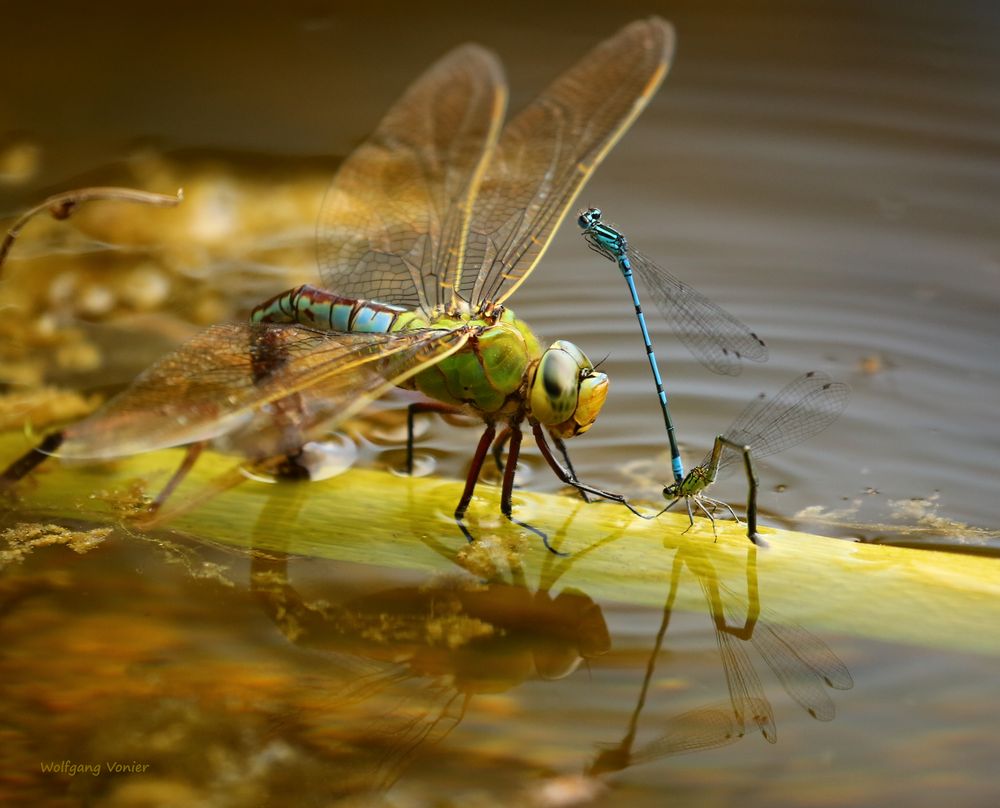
<point x="62" y="206"/>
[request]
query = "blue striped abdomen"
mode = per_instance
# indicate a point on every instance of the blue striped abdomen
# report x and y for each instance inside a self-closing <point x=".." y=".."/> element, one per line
<point x="317" y="308"/>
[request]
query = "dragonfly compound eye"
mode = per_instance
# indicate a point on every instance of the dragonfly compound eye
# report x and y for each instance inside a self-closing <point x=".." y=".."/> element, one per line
<point x="566" y="394"/>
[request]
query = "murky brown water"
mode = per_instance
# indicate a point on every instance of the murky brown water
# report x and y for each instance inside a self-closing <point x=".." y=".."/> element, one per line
<point x="828" y="173"/>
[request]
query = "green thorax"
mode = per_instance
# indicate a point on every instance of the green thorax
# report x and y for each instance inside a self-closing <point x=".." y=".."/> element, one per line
<point x="487" y="374"/>
<point x="696" y="481"/>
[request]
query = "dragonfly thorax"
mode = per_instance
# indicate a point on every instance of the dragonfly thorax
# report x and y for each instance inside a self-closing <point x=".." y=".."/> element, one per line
<point x="502" y="372"/>
<point x="488" y="375"/>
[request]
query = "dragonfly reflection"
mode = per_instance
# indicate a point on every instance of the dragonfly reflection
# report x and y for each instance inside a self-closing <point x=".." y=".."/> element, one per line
<point x="405" y="662"/>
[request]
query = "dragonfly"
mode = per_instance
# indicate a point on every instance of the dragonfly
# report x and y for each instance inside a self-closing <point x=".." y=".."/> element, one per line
<point x="803" y="408"/>
<point x="427" y="229"/>
<point x="716" y="338"/>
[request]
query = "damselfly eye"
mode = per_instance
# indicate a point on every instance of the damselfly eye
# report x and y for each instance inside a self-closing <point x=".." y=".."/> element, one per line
<point x="589" y="218"/>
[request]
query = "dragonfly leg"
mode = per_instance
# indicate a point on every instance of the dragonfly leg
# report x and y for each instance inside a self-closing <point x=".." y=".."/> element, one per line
<point x="477" y="464"/>
<point x="30" y="460"/>
<point x="411" y="411"/>
<point x="190" y="457"/>
<point x="498" y="446"/>
<point x="507" y="488"/>
<point x="752" y="484"/>
<point x="570" y="479"/>
<point x="561" y="446"/>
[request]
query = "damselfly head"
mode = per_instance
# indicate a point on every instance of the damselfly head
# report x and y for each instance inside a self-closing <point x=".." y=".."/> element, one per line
<point x="589" y="218"/>
<point x="672" y="491"/>
<point x="566" y="393"/>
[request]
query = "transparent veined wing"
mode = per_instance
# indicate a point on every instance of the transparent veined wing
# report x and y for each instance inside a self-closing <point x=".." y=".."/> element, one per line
<point x="549" y="150"/>
<point x="393" y="225"/>
<point x="718" y="339"/>
<point x="804" y="407"/>
<point x="271" y="383"/>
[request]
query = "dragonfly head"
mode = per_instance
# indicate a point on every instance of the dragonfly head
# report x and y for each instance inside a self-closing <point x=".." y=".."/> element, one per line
<point x="589" y="218"/>
<point x="566" y="393"/>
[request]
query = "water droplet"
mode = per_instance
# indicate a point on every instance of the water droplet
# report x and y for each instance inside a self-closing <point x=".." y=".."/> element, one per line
<point x="325" y="459"/>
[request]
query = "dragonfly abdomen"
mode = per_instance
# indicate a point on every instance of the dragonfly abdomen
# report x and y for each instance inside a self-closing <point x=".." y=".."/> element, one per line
<point x="317" y="308"/>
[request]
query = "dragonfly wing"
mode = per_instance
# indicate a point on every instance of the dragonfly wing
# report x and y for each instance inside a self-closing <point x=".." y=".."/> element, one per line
<point x="549" y="150"/>
<point x="716" y="338"/>
<point x="281" y="380"/>
<point x="393" y="224"/>
<point x="803" y="408"/>
<point x="694" y="731"/>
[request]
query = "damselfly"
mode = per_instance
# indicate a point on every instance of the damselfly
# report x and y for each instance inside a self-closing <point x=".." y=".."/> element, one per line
<point x="716" y="338"/>
<point x="803" y="408"/>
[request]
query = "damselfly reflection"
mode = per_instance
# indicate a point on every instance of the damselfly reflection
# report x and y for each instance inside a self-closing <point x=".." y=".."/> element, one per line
<point x="802" y="663"/>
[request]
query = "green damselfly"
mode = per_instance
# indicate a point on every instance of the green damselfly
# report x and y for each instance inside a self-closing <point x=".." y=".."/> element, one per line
<point x="803" y="408"/>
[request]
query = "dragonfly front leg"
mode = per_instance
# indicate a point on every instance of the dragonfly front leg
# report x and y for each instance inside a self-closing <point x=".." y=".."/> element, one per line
<point x="561" y="446"/>
<point x="707" y="512"/>
<point x="504" y="436"/>
<point x="687" y="504"/>
<point x="751" y="489"/>
<point x="570" y="479"/>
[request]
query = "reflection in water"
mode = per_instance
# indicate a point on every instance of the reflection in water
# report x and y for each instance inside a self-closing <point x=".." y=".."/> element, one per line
<point x="802" y="663"/>
<point x="404" y="663"/>
<point x="362" y="684"/>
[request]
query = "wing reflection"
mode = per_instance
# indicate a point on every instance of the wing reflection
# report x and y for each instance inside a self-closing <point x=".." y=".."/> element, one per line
<point x="403" y="663"/>
<point x="802" y="663"/>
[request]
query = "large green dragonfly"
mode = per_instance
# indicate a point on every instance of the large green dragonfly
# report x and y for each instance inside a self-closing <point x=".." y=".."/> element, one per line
<point x="427" y="229"/>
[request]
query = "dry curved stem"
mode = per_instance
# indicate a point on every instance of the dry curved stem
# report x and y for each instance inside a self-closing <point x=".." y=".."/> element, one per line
<point x="63" y="205"/>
